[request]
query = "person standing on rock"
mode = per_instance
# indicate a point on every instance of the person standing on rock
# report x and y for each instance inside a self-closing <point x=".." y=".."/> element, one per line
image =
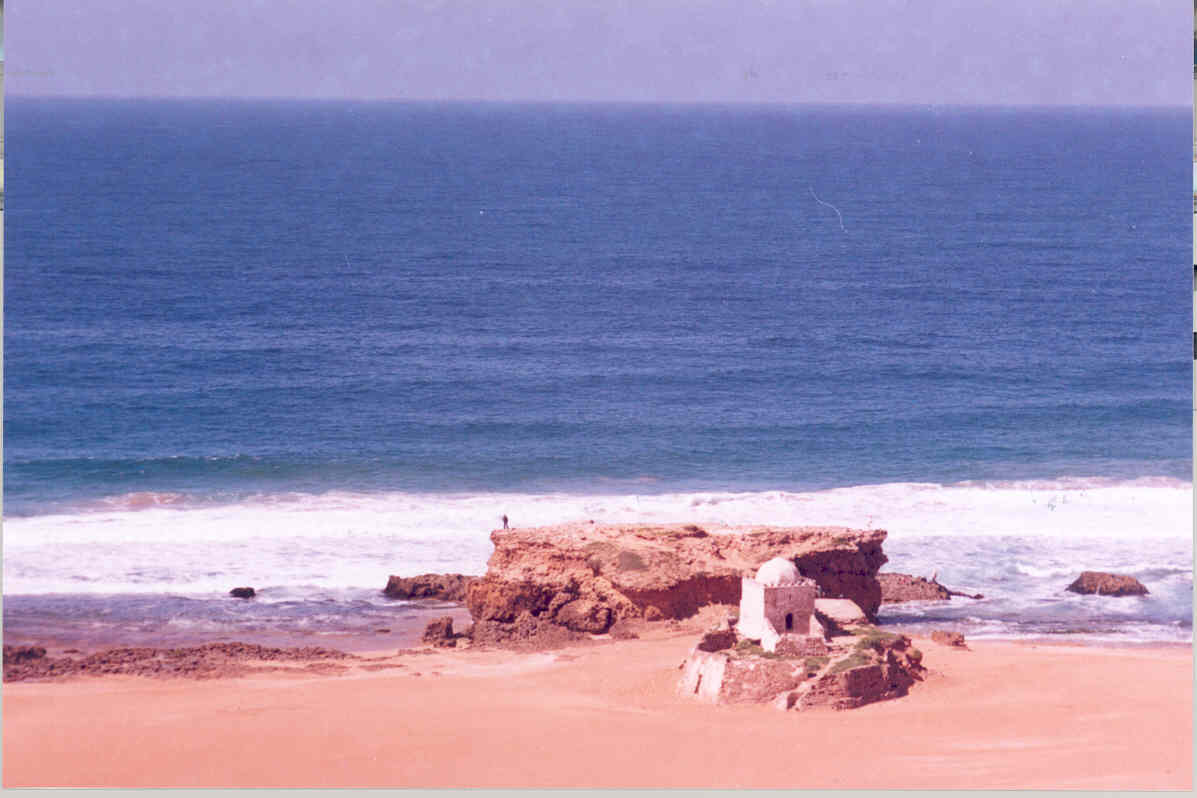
<point x="504" y="522"/>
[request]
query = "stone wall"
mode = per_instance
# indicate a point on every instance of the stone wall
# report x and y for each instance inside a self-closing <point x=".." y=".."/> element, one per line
<point x="795" y="600"/>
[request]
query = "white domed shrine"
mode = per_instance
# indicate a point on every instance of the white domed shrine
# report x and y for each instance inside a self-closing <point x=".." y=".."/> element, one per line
<point x="778" y="571"/>
<point x="778" y="602"/>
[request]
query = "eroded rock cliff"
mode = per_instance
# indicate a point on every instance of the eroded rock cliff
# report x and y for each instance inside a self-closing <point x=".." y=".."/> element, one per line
<point x="587" y="576"/>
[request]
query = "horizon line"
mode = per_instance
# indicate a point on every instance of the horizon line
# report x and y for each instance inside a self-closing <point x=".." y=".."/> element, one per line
<point x="590" y="101"/>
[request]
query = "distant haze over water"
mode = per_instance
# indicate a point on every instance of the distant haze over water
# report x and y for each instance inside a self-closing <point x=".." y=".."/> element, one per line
<point x="998" y="52"/>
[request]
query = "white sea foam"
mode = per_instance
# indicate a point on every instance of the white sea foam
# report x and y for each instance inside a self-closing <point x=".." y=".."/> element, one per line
<point x="1031" y="570"/>
<point x="341" y="539"/>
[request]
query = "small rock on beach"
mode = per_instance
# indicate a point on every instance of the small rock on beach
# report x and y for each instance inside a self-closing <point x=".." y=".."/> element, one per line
<point x="945" y="638"/>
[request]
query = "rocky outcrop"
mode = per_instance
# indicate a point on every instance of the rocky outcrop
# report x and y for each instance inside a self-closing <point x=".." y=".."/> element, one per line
<point x="877" y="666"/>
<point x="210" y="661"/>
<point x="446" y="587"/>
<point x="855" y="687"/>
<point x="584" y="615"/>
<point x="717" y="640"/>
<point x="838" y="615"/>
<point x="243" y="592"/>
<point x="440" y="632"/>
<point x="759" y="680"/>
<point x="586" y="577"/>
<point x="946" y="638"/>
<point x="525" y="632"/>
<point x="624" y="630"/>
<point x="897" y="588"/>
<point x="841" y="673"/>
<point x="21" y="654"/>
<point x="1103" y="584"/>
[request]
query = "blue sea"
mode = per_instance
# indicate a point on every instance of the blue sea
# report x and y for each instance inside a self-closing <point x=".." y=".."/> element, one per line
<point x="306" y="345"/>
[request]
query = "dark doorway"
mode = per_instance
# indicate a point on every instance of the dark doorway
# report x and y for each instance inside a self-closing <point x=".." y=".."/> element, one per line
<point x="789" y="621"/>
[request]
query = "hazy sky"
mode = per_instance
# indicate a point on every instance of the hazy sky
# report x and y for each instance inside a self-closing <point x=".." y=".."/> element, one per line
<point x="1109" y="52"/>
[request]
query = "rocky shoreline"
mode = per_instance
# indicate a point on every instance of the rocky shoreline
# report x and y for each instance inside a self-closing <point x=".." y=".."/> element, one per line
<point x="550" y="587"/>
<point x="210" y="661"/>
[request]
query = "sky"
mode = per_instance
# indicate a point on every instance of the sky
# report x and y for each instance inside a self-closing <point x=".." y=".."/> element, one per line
<point x="954" y="52"/>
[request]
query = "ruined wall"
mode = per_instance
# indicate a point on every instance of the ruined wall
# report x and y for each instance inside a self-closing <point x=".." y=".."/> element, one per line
<point x="703" y="675"/>
<point x="763" y="611"/>
<point x="798" y="600"/>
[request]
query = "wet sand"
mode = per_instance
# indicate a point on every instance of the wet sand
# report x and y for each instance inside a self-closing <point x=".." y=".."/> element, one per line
<point x="401" y="630"/>
<point x="1001" y="715"/>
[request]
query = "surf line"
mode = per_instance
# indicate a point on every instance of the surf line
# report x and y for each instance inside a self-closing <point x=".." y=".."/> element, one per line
<point x="829" y="205"/>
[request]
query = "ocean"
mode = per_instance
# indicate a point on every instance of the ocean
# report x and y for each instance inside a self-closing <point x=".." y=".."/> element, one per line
<point x="305" y="345"/>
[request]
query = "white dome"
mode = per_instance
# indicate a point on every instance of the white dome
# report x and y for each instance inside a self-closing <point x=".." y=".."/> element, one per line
<point x="778" y="571"/>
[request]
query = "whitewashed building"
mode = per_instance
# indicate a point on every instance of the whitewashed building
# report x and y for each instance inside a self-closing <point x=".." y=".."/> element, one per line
<point x="777" y="603"/>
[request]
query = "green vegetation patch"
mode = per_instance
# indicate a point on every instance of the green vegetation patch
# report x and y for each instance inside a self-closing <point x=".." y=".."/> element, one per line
<point x="747" y="648"/>
<point x="597" y="552"/>
<point x="873" y="638"/>
<point x="630" y="561"/>
<point x="815" y="664"/>
<point x="856" y="660"/>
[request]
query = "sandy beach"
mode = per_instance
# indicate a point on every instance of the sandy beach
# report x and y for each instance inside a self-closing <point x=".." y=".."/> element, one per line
<point x="606" y="714"/>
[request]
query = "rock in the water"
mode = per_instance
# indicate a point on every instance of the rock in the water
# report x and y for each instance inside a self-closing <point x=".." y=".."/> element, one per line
<point x="946" y="638"/>
<point x="565" y="574"/>
<point x="1103" y="584"/>
<point x="440" y="632"/>
<point x="904" y="587"/>
<point x="447" y="587"/>
<point x="242" y="592"/>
